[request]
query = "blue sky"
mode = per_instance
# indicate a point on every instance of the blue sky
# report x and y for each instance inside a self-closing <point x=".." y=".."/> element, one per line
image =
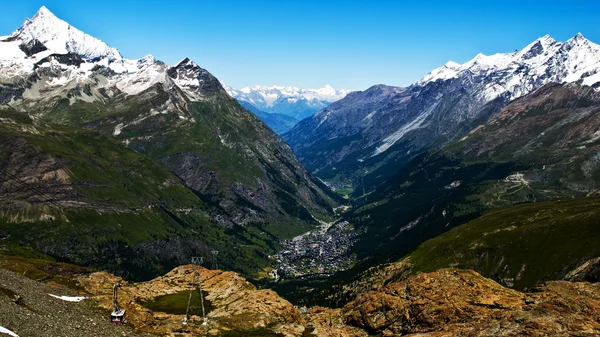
<point x="348" y="44"/>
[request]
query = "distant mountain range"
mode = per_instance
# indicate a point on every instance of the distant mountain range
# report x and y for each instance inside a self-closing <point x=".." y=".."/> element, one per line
<point x="282" y="107"/>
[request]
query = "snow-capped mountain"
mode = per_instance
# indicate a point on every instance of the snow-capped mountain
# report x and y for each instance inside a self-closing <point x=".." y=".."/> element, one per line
<point x="178" y="115"/>
<point x="384" y="126"/>
<point x="290" y="101"/>
<point x="520" y="72"/>
<point x="67" y="60"/>
<point x="60" y="37"/>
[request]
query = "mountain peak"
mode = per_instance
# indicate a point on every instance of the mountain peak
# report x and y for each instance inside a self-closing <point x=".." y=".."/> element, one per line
<point x="44" y="12"/>
<point x="546" y="40"/>
<point x="62" y="38"/>
<point x="452" y="65"/>
<point x="577" y="39"/>
<point x="327" y="90"/>
<point x="537" y="47"/>
<point x="186" y="62"/>
<point x="577" y="42"/>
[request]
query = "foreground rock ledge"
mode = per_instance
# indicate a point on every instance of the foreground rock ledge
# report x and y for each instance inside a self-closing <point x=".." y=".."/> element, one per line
<point x="453" y="302"/>
<point x="448" y="302"/>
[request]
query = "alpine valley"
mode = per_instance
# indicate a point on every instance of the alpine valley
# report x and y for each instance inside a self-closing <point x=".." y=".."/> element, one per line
<point x="495" y="132"/>
<point x="466" y="204"/>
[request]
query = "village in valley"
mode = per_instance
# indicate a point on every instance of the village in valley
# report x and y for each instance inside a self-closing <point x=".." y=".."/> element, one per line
<point x="320" y="252"/>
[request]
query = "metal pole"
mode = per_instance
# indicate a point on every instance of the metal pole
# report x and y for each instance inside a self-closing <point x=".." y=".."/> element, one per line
<point x="215" y="253"/>
<point x="187" y="311"/>
<point x="197" y="261"/>
<point x="202" y="300"/>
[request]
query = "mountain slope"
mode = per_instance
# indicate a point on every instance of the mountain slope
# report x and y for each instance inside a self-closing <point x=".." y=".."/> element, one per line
<point x="279" y="123"/>
<point x="554" y="156"/>
<point x="373" y="133"/>
<point x="82" y="197"/>
<point x="180" y="116"/>
<point x="507" y="244"/>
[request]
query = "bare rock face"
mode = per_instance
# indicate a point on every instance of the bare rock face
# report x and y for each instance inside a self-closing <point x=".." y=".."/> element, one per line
<point x="448" y="302"/>
<point x="236" y="303"/>
<point x="457" y="302"/>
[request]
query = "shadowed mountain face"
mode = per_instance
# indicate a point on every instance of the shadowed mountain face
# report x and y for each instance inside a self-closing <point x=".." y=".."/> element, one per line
<point x="233" y="174"/>
<point x="374" y="133"/>
<point x="542" y="146"/>
<point x="279" y="123"/>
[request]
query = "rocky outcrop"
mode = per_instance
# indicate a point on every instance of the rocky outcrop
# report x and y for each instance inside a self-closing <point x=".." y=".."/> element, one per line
<point x="589" y="271"/>
<point x="236" y="304"/>
<point x="453" y="302"/>
<point x="448" y="302"/>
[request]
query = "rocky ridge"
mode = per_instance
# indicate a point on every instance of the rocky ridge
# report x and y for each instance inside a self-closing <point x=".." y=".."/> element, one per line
<point x="447" y="302"/>
<point x="452" y="302"/>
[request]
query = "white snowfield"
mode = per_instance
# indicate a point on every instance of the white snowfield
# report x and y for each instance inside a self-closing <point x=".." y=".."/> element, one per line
<point x="5" y="331"/>
<point x="69" y="298"/>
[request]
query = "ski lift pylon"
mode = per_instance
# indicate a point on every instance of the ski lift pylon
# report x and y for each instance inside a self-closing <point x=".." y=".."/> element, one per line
<point x="196" y="261"/>
<point x="118" y="314"/>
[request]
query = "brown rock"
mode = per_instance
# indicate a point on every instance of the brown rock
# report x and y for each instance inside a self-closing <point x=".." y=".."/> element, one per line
<point x="237" y="304"/>
<point x="460" y="302"/>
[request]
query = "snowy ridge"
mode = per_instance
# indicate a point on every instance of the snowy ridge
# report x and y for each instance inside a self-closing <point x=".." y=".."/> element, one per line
<point x="60" y="37"/>
<point x="265" y="96"/>
<point x="290" y="101"/>
<point x="516" y="74"/>
<point x="72" y="59"/>
<point x="545" y="59"/>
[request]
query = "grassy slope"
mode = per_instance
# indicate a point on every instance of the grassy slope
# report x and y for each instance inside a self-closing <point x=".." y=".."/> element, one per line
<point x="138" y="220"/>
<point x="524" y="244"/>
<point x="224" y="138"/>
